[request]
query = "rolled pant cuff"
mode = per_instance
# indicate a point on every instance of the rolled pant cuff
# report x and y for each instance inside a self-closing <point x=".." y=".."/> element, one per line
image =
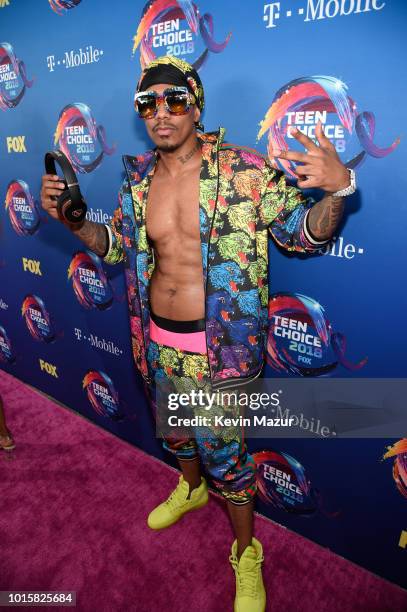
<point x="240" y="498"/>
<point x="187" y="458"/>
<point x="188" y="453"/>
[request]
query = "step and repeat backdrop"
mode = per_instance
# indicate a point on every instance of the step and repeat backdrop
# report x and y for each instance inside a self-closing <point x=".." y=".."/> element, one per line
<point x="68" y="70"/>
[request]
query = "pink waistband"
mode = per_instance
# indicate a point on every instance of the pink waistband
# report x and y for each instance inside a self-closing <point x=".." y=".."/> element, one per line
<point x="194" y="342"/>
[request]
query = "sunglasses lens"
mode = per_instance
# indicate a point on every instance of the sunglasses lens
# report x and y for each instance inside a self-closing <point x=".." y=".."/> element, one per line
<point x="177" y="102"/>
<point x="146" y="106"/>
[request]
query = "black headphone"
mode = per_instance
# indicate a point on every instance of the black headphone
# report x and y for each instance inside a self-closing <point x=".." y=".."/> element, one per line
<point x="70" y="204"/>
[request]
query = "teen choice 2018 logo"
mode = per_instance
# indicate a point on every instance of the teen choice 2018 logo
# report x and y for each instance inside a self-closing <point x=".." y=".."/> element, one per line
<point x="37" y="319"/>
<point x="300" y="337"/>
<point x="282" y="482"/>
<point x="13" y="78"/>
<point x="89" y="281"/>
<point x="59" y="6"/>
<point x="302" y="103"/>
<point x="399" y="452"/>
<point x="6" y="351"/>
<point x="102" y="394"/>
<point x="80" y="138"/>
<point x="22" y="209"/>
<point x="176" y="27"/>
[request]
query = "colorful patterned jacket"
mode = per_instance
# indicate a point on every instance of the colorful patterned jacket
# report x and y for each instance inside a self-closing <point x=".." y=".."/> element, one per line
<point x="242" y="197"/>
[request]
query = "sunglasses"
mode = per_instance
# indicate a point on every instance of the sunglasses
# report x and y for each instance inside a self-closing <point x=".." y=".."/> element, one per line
<point x="177" y="101"/>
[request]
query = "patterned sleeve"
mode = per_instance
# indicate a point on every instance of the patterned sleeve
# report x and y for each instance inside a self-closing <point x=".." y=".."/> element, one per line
<point x="285" y="210"/>
<point x="115" y="253"/>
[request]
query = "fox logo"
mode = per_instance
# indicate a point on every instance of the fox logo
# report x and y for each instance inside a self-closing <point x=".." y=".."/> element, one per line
<point x="32" y="266"/>
<point x="48" y="368"/>
<point x="16" y="144"/>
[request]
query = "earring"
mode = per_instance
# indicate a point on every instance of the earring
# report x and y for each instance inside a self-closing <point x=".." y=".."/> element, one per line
<point x="199" y="126"/>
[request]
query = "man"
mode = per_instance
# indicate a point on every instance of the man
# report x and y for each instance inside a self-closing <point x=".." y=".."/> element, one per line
<point x="191" y="227"/>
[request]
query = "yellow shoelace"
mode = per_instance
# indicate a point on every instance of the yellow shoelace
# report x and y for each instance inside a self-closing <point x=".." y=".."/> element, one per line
<point x="246" y="578"/>
<point x="172" y="502"/>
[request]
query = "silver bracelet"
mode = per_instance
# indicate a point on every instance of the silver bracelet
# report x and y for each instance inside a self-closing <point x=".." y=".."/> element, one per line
<point x="348" y="190"/>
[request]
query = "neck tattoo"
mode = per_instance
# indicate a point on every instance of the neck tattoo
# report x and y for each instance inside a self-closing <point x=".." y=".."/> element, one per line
<point x="184" y="158"/>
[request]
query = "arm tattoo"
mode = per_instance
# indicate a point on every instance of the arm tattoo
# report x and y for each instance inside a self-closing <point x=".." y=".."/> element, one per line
<point x="94" y="235"/>
<point x="324" y="217"/>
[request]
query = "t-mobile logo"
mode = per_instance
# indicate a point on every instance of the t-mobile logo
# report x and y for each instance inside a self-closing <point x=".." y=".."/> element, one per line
<point x="338" y="248"/>
<point x="313" y="10"/>
<point x="271" y="13"/>
<point x="75" y="58"/>
<point x="51" y="62"/>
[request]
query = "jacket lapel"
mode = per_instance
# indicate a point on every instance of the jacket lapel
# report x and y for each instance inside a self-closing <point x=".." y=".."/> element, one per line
<point x="208" y="190"/>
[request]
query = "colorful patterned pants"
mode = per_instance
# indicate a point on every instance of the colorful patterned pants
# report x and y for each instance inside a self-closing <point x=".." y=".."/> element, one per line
<point x="222" y="450"/>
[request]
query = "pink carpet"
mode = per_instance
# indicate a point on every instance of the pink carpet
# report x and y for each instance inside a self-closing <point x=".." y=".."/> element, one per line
<point x="73" y="517"/>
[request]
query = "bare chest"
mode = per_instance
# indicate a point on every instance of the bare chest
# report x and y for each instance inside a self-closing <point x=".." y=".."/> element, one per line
<point x="173" y="207"/>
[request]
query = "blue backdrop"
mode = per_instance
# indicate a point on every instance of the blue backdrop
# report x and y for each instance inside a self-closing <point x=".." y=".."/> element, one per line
<point x="76" y="63"/>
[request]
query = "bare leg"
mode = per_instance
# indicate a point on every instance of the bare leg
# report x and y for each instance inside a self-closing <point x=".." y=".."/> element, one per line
<point x="191" y="472"/>
<point x="3" y="428"/>
<point x="242" y="521"/>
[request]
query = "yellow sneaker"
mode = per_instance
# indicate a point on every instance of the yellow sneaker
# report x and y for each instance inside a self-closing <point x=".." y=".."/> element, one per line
<point x="170" y="511"/>
<point x="250" y="592"/>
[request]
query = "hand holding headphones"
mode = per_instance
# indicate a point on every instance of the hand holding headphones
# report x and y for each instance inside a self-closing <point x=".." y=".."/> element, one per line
<point x="64" y="198"/>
